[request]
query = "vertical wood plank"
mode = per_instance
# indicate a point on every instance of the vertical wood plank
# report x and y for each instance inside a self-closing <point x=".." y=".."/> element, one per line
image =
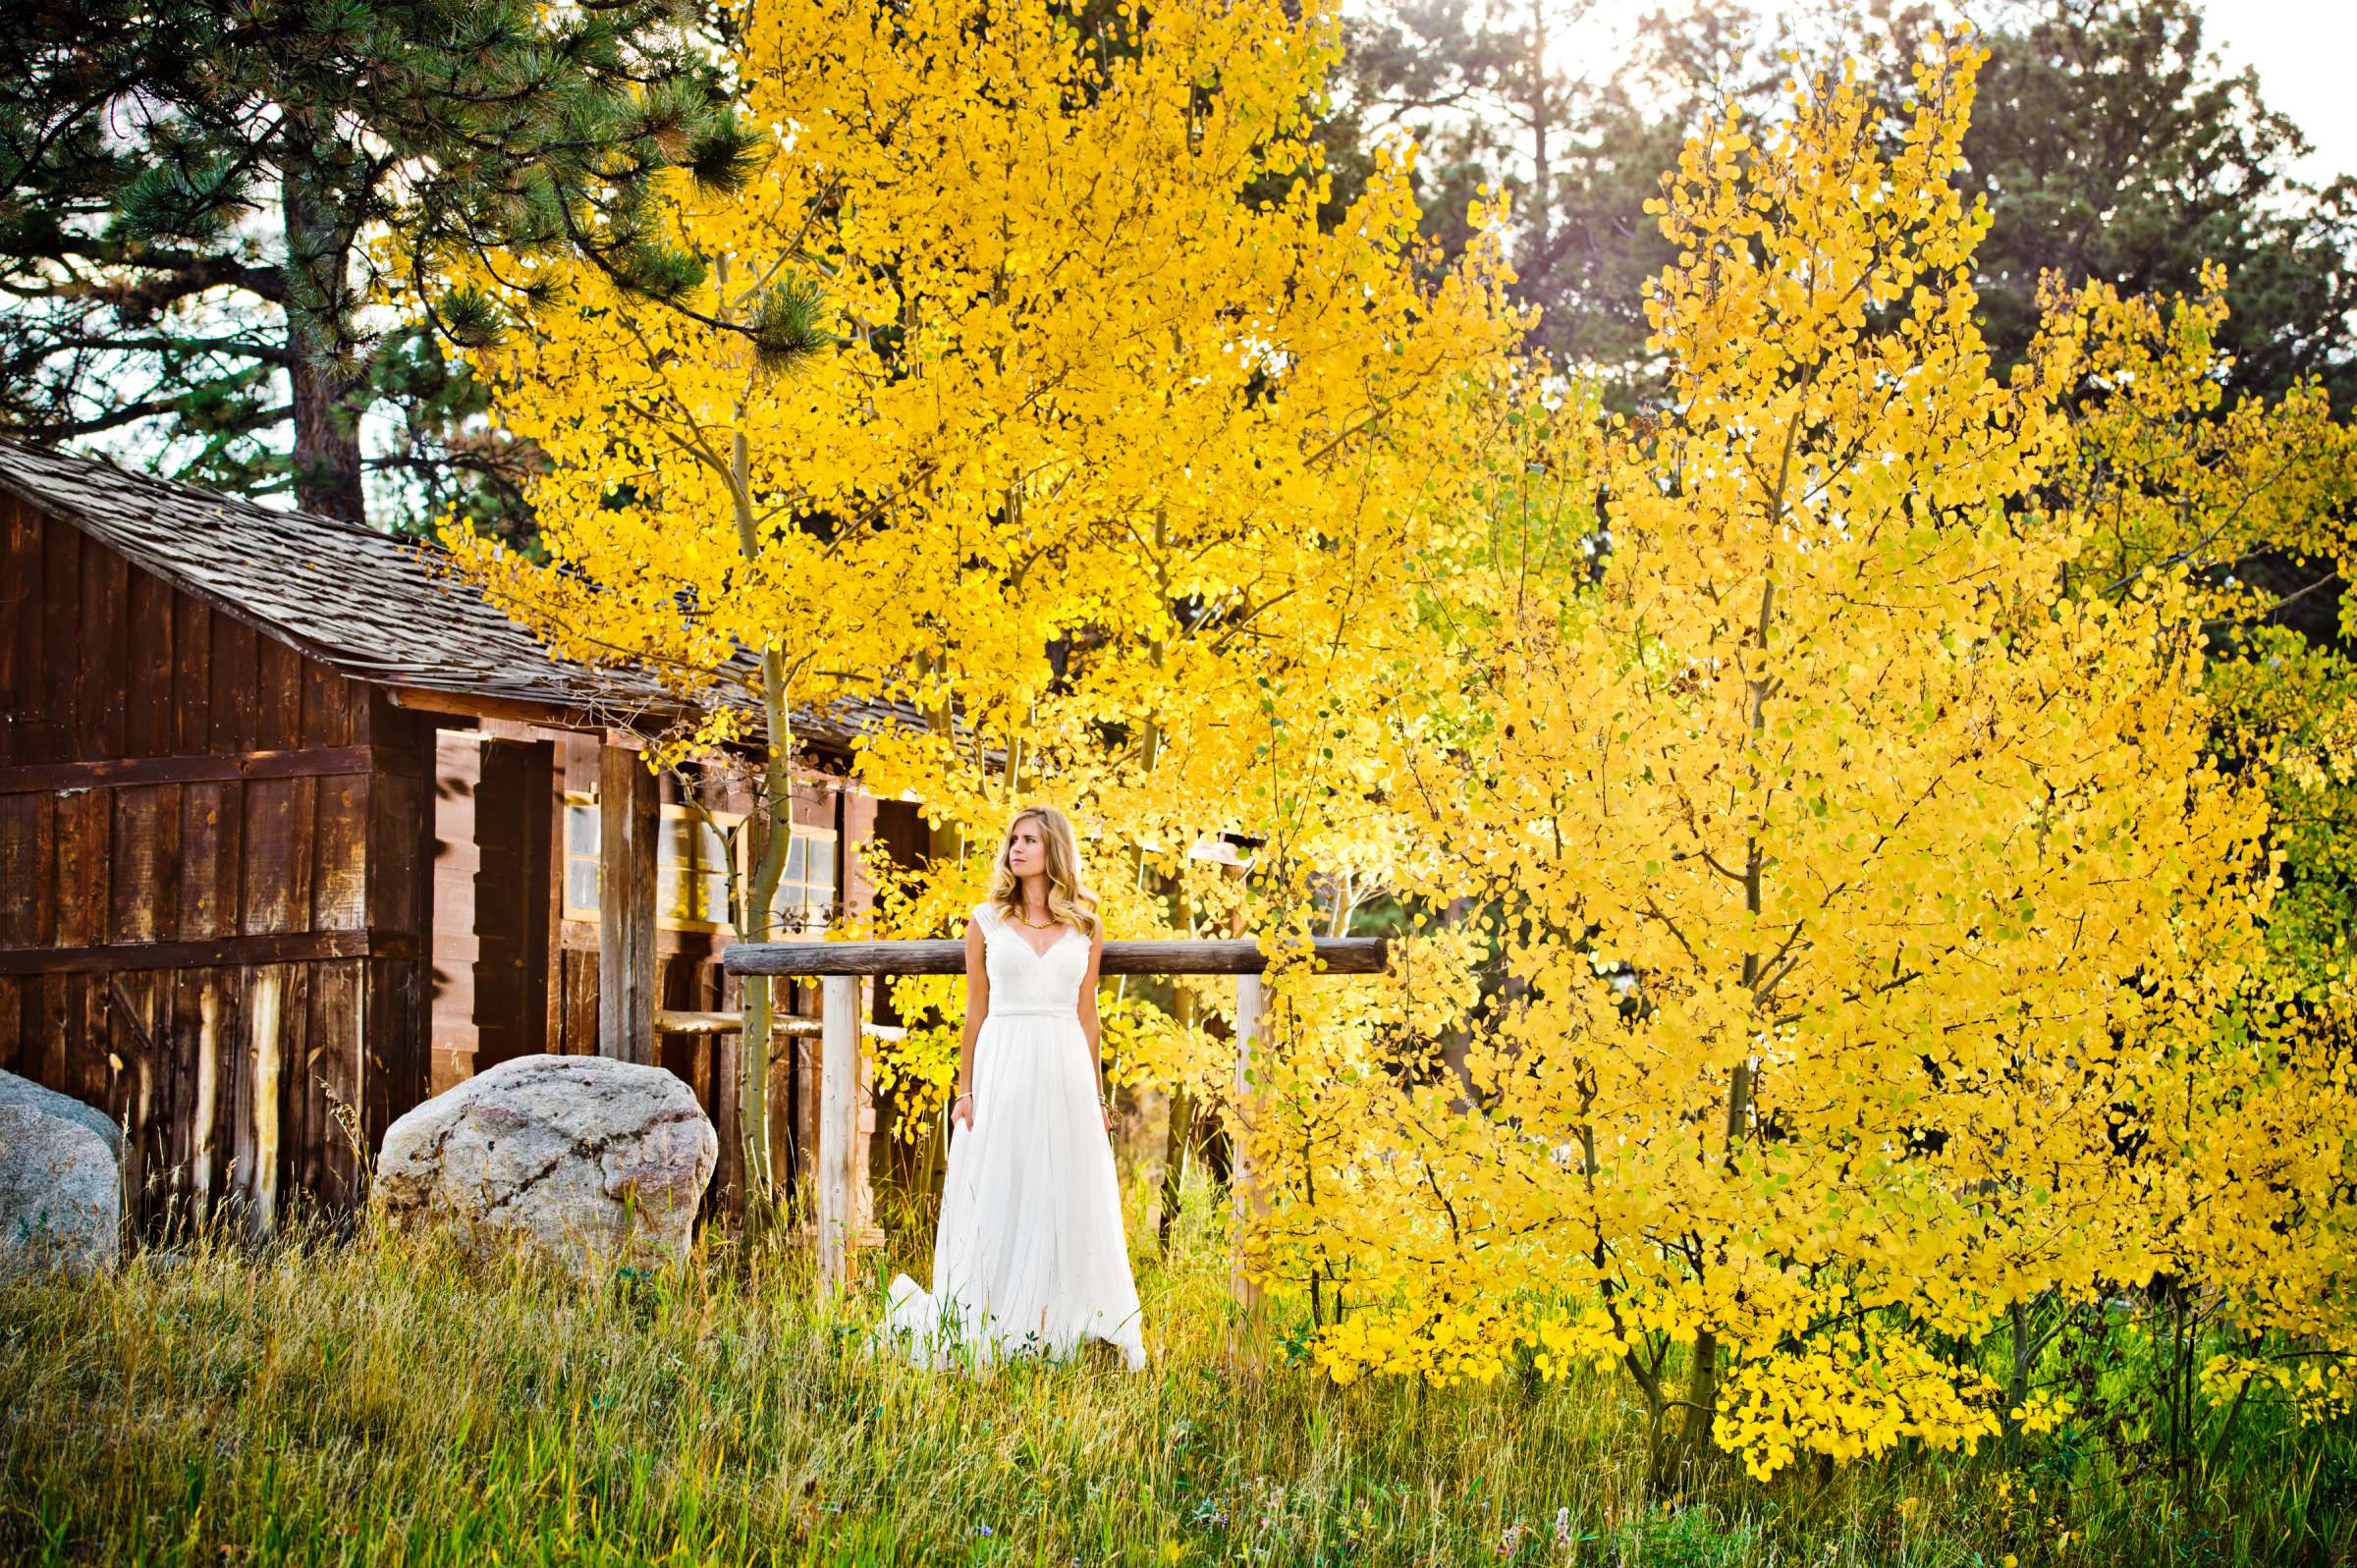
<point x="266" y="997"/>
<point x="727" y="1192"/>
<point x="233" y="1169"/>
<point x="838" y="1082"/>
<point x="856" y="826"/>
<point x="200" y="813"/>
<point x="309" y="1137"/>
<point x="84" y="821"/>
<point x="165" y="891"/>
<point x="392" y="1065"/>
<point x="193" y="1101"/>
<point x="336" y="1075"/>
<point x="61" y="622"/>
<point x="20" y="648"/>
<point x="12" y="1025"/>
<point x="399" y="811"/>
<point x="91" y="1062"/>
<point x="1247" y="1202"/>
<point x="340" y="869"/>
<point x="26" y="869"/>
<point x="191" y="676"/>
<point x="51" y="1010"/>
<point x="326" y="705"/>
<point x="276" y="873"/>
<point x="278" y="708"/>
<point x="553" y="1039"/>
<point x="137" y="863"/>
<point x="102" y="673"/>
<point x="582" y="1002"/>
<point x="626" y="936"/>
<point x="150" y="728"/>
<point x="137" y="1040"/>
<point x="235" y="695"/>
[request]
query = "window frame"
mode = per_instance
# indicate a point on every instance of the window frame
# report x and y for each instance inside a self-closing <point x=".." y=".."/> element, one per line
<point x="680" y="813"/>
<point x="811" y="835"/>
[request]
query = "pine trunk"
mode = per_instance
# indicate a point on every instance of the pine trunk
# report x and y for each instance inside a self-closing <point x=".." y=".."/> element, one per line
<point x="327" y="400"/>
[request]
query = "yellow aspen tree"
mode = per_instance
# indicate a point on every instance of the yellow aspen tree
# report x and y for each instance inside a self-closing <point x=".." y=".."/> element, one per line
<point x="1851" y="866"/>
<point x="2240" y="1167"/>
<point x="1099" y="444"/>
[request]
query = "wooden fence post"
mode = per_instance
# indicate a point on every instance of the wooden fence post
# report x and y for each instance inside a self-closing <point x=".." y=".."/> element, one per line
<point x="1246" y="1199"/>
<point x="838" y="1111"/>
<point x="627" y="820"/>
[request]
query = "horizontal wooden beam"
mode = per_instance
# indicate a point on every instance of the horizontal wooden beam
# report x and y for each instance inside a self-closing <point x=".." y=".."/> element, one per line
<point x="517" y="710"/>
<point x="317" y="762"/>
<point x="1336" y="955"/>
<point x="679" y="1021"/>
<point x="219" y="953"/>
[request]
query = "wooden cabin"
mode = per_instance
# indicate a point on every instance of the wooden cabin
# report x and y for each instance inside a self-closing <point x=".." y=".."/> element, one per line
<point x="296" y="830"/>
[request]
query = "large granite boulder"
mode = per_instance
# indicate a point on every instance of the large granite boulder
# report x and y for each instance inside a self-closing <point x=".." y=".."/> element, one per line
<point x="587" y="1160"/>
<point x="15" y="1091"/>
<point x="61" y="1183"/>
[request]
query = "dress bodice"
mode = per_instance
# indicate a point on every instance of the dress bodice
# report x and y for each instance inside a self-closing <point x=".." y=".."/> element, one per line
<point x="1024" y="980"/>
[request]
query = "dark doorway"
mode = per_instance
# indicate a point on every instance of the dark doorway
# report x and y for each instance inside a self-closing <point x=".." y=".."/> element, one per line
<point x="515" y="904"/>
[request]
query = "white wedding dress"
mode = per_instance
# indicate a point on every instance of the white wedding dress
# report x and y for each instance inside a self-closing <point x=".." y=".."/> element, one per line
<point x="1029" y="1256"/>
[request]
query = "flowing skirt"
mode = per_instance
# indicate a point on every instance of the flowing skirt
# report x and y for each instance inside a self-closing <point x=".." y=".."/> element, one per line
<point x="1029" y="1256"/>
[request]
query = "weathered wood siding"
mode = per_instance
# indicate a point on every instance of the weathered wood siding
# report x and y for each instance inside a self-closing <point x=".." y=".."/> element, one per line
<point x="688" y="978"/>
<point x="197" y="821"/>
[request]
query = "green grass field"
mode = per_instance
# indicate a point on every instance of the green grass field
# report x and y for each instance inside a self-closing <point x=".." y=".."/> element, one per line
<point x="373" y="1399"/>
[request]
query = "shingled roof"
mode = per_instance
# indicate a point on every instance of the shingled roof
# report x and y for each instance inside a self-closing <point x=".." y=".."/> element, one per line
<point x="370" y="605"/>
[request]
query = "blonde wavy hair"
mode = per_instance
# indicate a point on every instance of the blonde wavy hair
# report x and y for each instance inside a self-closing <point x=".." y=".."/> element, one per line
<point x="1069" y="899"/>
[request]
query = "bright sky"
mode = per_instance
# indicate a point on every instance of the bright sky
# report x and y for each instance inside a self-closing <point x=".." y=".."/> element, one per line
<point x="2301" y="50"/>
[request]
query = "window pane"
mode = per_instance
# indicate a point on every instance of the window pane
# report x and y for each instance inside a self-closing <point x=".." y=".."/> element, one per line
<point x="581" y="882"/>
<point x="712" y="849"/>
<point x="580" y="830"/>
<point x="795" y="848"/>
<point x="822" y="869"/>
<point x="716" y="897"/>
<point x="673" y="843"/>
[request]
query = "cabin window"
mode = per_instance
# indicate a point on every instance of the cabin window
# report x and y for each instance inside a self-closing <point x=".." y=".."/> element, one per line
<point x="691" y="882"/>
<point x="580" y="856"/>
<point x="806" y="892"/>
<point x="691" y="871"/>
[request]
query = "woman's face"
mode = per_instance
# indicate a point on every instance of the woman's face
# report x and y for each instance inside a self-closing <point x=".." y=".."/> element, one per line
<point x="1026" y="848"/>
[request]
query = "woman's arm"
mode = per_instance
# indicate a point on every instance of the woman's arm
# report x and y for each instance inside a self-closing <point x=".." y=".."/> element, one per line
<point x="977" y="1008"/>
<point x="1091" y="1027"/>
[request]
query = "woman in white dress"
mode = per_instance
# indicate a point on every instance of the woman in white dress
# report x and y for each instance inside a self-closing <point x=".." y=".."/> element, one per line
<point x="1029" y="1254"/>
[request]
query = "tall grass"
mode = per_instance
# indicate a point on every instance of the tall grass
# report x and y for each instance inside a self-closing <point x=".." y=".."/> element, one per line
<point x="374" y="1399"/>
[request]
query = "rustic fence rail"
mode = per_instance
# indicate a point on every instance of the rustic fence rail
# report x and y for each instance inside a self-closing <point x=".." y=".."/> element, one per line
<point x="839" y="966"/>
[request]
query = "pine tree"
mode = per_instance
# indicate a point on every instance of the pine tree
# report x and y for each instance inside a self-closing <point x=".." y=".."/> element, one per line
<point x="221" y="220"/>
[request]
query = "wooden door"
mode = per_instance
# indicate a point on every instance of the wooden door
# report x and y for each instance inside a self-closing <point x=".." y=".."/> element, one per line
<point x="515" y="901"/>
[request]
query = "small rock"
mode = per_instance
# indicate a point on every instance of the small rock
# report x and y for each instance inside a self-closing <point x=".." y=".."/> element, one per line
<point x="590" y="1160"/>
<point x="15" y="1091"/>
<point x="61" y="1195"/>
